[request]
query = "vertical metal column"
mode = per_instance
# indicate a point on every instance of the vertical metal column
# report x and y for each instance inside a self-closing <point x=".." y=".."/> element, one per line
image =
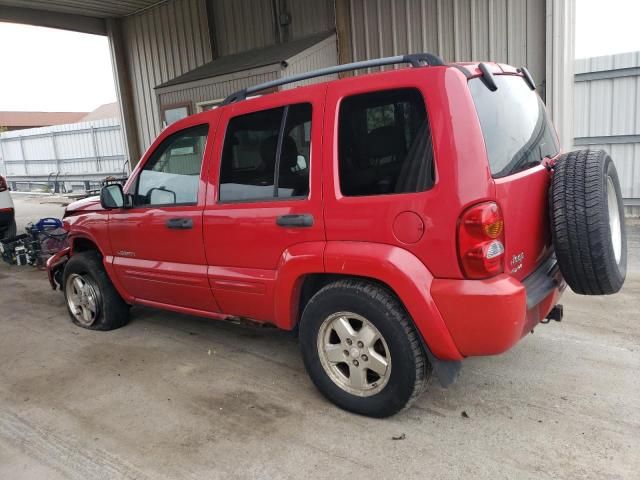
<point x="96" y="154"/>
<point x="24" y="159"/>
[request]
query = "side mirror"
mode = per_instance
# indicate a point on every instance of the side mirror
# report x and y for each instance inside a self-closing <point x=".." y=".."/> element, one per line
<point x="112" y="196"/>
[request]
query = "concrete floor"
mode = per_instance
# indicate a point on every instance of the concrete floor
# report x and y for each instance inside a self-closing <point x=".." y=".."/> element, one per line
<point x="172" y="396"/>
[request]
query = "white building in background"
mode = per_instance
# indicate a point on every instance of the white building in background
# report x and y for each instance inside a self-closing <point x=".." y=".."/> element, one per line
<point x="69" y="156"/>
<point x="607" y="116"/>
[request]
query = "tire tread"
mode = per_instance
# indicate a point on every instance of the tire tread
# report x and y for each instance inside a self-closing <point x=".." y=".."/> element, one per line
<point x="580" y="223"/>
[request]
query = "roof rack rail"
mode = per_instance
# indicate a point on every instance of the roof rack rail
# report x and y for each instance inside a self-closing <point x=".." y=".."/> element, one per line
<point x="415" y="59"/>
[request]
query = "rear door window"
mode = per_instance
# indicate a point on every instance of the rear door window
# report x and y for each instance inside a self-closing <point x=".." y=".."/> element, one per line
<point x="384" y="143"/>
<point x="266" y="155"/>
<point x="516" y="127"/>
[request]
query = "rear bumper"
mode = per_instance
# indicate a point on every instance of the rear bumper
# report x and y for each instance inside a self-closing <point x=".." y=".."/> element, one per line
<point x="487" y="317"/>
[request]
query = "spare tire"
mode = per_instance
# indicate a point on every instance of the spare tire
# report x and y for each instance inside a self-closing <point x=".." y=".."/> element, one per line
<point x="587" y="222"/>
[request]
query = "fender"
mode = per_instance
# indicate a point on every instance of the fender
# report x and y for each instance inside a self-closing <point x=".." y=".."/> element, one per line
<point x="296" y="262"/>
<point x="107" y="262"/>
<point x="406" y="275"/>
<point x="55" y="263"/>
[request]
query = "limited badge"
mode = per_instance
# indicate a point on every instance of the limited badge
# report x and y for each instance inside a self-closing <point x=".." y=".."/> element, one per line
<point x="516" y="262"/>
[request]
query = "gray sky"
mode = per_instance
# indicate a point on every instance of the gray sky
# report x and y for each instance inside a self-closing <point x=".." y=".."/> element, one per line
<point x="46" y="69"/>
<point x="53" y="70"/>
<point x="607" y="26"/>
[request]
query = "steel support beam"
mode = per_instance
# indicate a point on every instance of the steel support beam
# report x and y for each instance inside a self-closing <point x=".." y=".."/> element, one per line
<point x="559" y="70"/>
<point x="122" y="78"/>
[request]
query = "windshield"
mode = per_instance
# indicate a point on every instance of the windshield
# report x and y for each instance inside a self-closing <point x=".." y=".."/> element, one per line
<point x="517" y="131"/>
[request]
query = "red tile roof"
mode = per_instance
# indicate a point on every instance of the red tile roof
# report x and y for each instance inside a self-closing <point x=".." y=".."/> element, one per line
<point x="108" y="110"/>
<point x="38" y="119"/>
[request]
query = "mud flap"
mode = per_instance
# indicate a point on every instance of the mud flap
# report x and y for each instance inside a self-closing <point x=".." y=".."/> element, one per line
<point x="446" y="371"/>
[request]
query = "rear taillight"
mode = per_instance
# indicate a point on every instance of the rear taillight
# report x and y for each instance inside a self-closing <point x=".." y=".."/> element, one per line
<point x="481" y="241"/>
<point x="3" y="184"/>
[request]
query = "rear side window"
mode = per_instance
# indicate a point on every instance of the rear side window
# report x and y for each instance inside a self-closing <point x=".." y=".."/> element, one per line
<point x="516" y="128"/>
<point x="172" y="173"/>
<point x="266" y="155"/>
<point x="384" y="144"/>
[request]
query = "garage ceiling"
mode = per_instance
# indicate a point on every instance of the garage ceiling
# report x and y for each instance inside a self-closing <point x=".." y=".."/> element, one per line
<point x="90" y="8"/>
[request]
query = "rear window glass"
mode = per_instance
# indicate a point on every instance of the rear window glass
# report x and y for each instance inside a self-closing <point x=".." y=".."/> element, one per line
<point x="517" y="131"/>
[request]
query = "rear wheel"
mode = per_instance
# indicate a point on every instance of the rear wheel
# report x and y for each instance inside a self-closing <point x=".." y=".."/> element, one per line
<point x="92" y="300"/>
<point x="587" y="222"/>
<point x="361" y="349"/>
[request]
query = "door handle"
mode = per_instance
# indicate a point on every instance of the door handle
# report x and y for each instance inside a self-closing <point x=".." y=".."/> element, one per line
<point x="179" y="223"/>
<point x="300" y="220"/>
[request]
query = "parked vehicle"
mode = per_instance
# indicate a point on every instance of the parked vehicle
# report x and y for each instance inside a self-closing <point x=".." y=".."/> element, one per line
<point x="398" y="221"/>
<point x="7" y="212"/>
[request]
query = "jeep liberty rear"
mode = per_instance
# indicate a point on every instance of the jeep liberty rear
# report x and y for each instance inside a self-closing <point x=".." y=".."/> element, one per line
<point x="398" y="222"/>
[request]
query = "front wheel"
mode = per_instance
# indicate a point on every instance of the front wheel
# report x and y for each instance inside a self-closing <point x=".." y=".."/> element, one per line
<point x="361" y="349"/>
<point x="92" y="300"/>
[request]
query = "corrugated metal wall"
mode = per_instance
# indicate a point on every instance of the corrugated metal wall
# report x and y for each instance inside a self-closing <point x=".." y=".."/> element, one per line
<point x="309" y="16"/>
<point x="92" y="149"/>
<point x="509" y="31"/>
<point x="173" y="38"/>
<point x="607" y="115"/>
<point x="321" y="55"/>
<point x="242" y="25"/>
<point x="163" y="42"/>
<point x="222" y="87"/>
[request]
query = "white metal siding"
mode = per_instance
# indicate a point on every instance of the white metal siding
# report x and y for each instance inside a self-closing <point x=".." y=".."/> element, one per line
<point x="163" y="43"/>
<point x="607" y="115"/>
<point x="89" y="148"/>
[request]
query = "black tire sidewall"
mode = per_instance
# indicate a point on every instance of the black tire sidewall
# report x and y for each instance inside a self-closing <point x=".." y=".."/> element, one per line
<point x="580" y="226"/>
<point x="401" y="383"/>
<point x="113" y="311"/>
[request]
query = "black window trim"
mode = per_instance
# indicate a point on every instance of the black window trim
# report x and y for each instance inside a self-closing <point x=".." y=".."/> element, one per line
<point x="276" y="173"/>
<point x="297" y="198"/>
<point x="276" y="170"/>
<point x="168" y="205"/>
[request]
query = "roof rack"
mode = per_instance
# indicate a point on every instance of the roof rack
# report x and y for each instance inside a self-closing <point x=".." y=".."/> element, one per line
<point x="415" y="59"/>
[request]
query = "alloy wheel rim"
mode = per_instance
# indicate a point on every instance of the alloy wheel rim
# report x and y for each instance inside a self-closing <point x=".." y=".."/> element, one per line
<point x="83" y="299"/>
<point x="354" y="354"/>
<point x="614" y="220"/>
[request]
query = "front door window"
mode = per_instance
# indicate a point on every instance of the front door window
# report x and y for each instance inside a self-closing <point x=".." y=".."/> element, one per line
<point x="172" y="174"/>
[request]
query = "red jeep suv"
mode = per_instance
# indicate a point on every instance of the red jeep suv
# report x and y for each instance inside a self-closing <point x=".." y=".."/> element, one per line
<point x="398" y="222"/>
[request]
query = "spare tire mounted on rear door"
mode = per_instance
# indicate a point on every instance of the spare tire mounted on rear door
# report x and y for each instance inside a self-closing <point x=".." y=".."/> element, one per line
<point x="587" y="222"/>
